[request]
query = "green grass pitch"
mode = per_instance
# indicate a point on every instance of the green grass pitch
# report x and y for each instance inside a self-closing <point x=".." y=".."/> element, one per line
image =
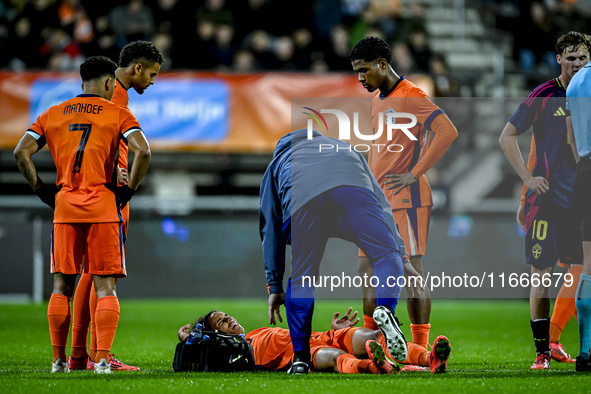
<point x="491" y="340"/>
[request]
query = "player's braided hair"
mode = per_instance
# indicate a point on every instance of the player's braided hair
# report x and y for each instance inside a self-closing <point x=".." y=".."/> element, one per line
<point x="140" y="51"/>
<point x="574" y="40"/>
<point x="204" y="321"/>
<point x="97" y="66"/>
<point x="371" y="48"/>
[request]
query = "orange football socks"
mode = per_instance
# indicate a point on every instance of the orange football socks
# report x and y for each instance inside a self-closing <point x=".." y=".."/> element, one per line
<point x="564" y="307"/>
<point x="92" y="303"/>
<point x="347" y="363"/>
<point x="417" y="355"/>
<point x="107" y="318"/>
<point x="81" y="317"/>
<point x="369" y="323"/>
<point x="420" y="334"/>
<point x="58" y="315"/>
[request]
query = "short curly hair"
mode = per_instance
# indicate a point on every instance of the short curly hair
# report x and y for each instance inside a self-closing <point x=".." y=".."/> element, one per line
<point x="97" y="66"/>
<point x="140" y="52"/>
<point x="574" y="40"/>
<point x="204" y="321"/>
<point x="371" y="48"/>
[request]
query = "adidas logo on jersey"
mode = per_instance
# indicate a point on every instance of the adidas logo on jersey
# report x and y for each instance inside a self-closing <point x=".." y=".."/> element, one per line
<point x="560" y="112"/>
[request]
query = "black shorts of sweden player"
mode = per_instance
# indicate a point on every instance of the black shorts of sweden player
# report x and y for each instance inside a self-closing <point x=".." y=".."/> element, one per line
<point x="553" y="235"/>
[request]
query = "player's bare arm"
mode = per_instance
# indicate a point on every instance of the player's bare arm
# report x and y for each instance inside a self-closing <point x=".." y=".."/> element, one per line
<point x="138" y="144"/>
<point x="26" y="148"/>
<point x="509" y="145"/>
<point x="275" y="302"/>
<point x="445" y="134"/>
<point x="521" y="217"/>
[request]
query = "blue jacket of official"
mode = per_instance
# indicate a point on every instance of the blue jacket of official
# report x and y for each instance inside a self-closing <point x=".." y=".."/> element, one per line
<point x="302" y="168"/>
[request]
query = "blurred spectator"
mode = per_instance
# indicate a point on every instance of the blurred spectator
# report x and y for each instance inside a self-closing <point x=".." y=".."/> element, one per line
<point x="244" y="61"/>
<point x="327" y="15"/>
<point x="337" y="55"/>
<point x="131" y="22"/>
<point x="164" y="14"/>
<point x="260" y="43"/>
<point x="302" y="56"/>
<point x="105" y="40"/>
<point x="438" y="70"/>
<point x="283" y="48"/>
<point x="216" y="12"/>
<point x="254" y="14"/>
<point x="224" y="49"/>
<point x="353" y="10"/>
<point x="64" y="54"/>
<point x="73" y="19"/>
<point x="385" y="16"/>
<point x="203" y="45"/>
<point x="163" y="41"/>
<point x="535" y="42"/>
<point x="21" y="36"/>
<point x="413" y="21"/>
<point x="567" y="18"/>
<point x="418" y="45"/>
<point x="402" y="60"/>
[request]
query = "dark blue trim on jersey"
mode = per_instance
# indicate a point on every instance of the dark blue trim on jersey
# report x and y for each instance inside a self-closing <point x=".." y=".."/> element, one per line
<point x="121" y="83"/>
<point x="432" y="117"/>
<point x="133" y="127"/>
<point x="415" y="188"/>
<point x="121" y="248"/>
<point x="88" y="95"/>
<point x="393" y="88"/>
<point x="41" y="141"/>
<point x="414" y="223"/>
<point x="415" y="194"/>
<point x="417" y="150"/>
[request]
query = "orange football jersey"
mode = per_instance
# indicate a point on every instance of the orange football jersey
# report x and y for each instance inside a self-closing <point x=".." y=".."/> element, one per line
<point x="121" y="98"/>
<point x="273" y="348"/>
<point x="400" y="154"/>
<point x="83" y="136"/>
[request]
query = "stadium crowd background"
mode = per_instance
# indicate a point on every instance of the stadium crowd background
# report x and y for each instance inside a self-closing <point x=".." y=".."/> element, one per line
<point x="260" y="35"/>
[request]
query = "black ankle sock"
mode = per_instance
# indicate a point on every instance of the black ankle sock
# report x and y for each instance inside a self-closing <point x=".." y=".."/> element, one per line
<point x="541" y="330"/>
<point x="302" y="355"/>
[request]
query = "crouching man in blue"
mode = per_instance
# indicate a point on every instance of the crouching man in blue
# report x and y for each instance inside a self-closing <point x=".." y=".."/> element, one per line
<point x="316" y="188"/>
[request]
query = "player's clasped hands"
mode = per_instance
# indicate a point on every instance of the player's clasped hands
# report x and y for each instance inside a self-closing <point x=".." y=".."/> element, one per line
<point x="122" y="176"/>
<point x="538" y="184"/>
<point x="346" y="321"/>
<point x="399" y="181"/>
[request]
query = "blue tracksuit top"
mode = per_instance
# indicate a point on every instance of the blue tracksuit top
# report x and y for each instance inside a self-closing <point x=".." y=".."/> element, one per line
<point x="300" y="170"/>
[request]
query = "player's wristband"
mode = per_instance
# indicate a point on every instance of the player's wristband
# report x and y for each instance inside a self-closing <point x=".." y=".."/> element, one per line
<point x="46" y="193"/>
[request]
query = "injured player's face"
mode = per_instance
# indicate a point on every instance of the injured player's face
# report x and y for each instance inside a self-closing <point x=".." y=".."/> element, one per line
<point x="223" y="322"/>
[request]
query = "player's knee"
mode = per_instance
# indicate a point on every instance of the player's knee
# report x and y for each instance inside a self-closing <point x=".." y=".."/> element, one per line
<point x="363" y="267"/>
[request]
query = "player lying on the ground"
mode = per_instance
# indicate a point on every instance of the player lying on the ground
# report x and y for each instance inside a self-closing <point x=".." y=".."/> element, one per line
<point x="343" y="349"/>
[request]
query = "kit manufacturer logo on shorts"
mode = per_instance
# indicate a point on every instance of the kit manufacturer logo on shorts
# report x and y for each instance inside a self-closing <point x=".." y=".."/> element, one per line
<point x="536" y="251"/>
